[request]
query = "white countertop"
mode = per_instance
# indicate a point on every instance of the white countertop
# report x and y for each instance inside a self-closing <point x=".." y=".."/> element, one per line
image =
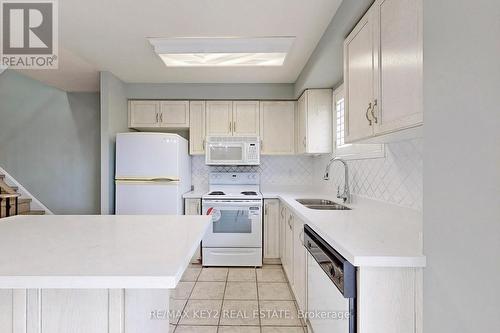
<point x="373" y="233"/>
<point x="193" y="195"/>
<point x="99" y="251"/>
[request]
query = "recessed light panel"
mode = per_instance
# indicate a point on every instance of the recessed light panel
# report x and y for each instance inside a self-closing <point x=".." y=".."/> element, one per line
<point x="219" y="52"/>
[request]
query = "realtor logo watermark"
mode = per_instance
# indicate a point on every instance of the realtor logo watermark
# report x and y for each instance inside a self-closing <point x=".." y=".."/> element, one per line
<point x="29" y="34"/>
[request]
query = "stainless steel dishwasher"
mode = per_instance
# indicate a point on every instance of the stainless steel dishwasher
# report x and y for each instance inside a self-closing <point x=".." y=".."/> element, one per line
<point x="331" y="287"/>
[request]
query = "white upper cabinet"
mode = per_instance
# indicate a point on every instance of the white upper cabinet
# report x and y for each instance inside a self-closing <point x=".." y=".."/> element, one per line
<point x="174" y="114"/>
<point x="277" y="122"/>
<point x="398" y="31"/>
<point x="245" y="118"/>
<point x="197" y="127"/>
<point x="314" y="127"/>
<point x="144" y="114"/>
<point x="301" y="124"/>
<point x="383" y="71"/>
<point x="358" y="73"/>
<point x="227" y="118"/>
<point x="159" y="114"/>
<point x="219" y="118"/>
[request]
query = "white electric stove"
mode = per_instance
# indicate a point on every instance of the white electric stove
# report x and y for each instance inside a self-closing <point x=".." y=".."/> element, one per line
<point x="235" y="203"/>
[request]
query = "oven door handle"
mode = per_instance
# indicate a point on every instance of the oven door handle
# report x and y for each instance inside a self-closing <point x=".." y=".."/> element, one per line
<point x="232" y="253"/>
<point x="223" y="204"/>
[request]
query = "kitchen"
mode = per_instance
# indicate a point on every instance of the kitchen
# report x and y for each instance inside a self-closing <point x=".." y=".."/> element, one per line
<point x="289" y="169"/>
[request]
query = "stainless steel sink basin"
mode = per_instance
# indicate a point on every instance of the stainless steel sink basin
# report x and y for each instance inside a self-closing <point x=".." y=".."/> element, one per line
<point x="315" y="202"/>
<point x="322" y="204"/>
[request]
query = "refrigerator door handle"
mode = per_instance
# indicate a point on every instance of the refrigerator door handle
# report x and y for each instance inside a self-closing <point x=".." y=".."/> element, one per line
<point x="148" y="179"/>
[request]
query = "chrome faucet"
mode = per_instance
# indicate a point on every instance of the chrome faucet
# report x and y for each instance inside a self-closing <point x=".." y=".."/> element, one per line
<point x="346" y="195"/>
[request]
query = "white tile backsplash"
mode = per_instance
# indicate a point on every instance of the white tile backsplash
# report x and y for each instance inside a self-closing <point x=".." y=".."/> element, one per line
<point x="397" y="178"/>
<point x="274" y="171"/>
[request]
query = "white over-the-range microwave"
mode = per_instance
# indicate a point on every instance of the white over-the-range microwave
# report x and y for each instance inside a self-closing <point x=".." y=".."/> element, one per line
<point x="232" y="150"/>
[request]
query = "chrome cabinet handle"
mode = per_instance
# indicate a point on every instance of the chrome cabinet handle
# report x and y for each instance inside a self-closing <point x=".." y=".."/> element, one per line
<point x="161" y="117"/>
<point x="366" y="114"/>
<point x="234" y="126"/>
<point x="229" y="126"/>
<point x="373" y="111"/>
<point x="265" y="209"/>
<point x="157" y="117"/>
<point x="304" y="142"/>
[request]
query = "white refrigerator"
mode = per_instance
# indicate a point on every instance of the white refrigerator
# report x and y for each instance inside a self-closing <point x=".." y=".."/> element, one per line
<point x="153" y="171"/>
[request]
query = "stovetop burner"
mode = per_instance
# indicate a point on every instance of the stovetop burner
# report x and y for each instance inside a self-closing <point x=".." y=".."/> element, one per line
<point x="249" y="193"/>
<point x="216" y="193"/>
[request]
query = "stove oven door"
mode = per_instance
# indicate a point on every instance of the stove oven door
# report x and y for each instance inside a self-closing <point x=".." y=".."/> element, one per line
<point x="234" y="223"/>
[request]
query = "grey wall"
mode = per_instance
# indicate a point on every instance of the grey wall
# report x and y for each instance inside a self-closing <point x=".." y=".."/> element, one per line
<point x="114" y="119"/>
<point x="324" y="69"/>
<point x="49" y="142"/>
<point x="210" y="91"/>
<point x="462" y="166"/>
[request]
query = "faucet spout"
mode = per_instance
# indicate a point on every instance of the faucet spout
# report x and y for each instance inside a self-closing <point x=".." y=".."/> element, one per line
<point x="346" y="195"/>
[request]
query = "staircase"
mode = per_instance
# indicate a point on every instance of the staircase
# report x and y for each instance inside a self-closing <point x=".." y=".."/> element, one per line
<point x="11" y="202"/>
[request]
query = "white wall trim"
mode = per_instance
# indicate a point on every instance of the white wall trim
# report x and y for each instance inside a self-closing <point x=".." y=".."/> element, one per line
<point x="35" y="203"/>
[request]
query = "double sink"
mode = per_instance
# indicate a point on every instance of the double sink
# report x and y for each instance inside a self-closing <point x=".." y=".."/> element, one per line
<point x="322" y="204"/>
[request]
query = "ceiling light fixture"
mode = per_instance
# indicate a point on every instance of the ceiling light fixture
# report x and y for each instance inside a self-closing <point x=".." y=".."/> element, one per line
<point x="221" y="51"/>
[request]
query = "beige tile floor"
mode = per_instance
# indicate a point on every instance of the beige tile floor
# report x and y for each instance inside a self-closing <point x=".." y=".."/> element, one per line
<point x="234" y="300"/>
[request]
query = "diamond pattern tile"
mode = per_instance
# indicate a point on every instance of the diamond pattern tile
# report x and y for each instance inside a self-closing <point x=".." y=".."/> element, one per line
<point x="397" y="178"/>
<point x="274" y="170"/>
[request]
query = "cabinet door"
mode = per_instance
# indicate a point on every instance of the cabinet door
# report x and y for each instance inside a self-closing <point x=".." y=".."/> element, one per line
<point x="302" y="123"/>
<point x="319" y="121"/>
<point x="358" y="76"/>
<point x="193" y="207"/>
<point x="271" y="229"/>
<point x="277" y="124"/>
<point x="289" y="248"/>
<point x="299" y="264"/>
<point x="283" y="226"/>
<point x="219" y="117"/>
<point x="398" y="79"/>
<point x="143" y="113"/>
<point x="197" y="127"/>
<point x="174" y="114"/>
<point x="245" y="118"/>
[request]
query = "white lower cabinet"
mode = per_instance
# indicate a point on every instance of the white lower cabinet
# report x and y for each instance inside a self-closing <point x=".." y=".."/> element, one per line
<point x="293" y="255"/>
<point x="389" y="299"/>
<point x="271" y="229"/>
<point x="288" y="254"/>
<point x="193" y="207"/>
<point x="299" y="264"/>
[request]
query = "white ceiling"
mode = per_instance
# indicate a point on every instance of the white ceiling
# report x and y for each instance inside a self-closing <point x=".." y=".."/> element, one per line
<point x="110" y="35"/>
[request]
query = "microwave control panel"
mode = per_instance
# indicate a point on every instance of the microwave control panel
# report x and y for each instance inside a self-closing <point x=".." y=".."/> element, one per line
<point x="252" y="152"/>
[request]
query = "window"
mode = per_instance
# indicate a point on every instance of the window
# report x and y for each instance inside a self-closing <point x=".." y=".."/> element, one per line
<point x="345" y="150"/>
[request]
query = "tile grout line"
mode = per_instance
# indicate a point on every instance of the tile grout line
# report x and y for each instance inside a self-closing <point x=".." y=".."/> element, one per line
<point x="222" y="303"/>
<point x="187" y="301"/>
<point x="258" y="301"/>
